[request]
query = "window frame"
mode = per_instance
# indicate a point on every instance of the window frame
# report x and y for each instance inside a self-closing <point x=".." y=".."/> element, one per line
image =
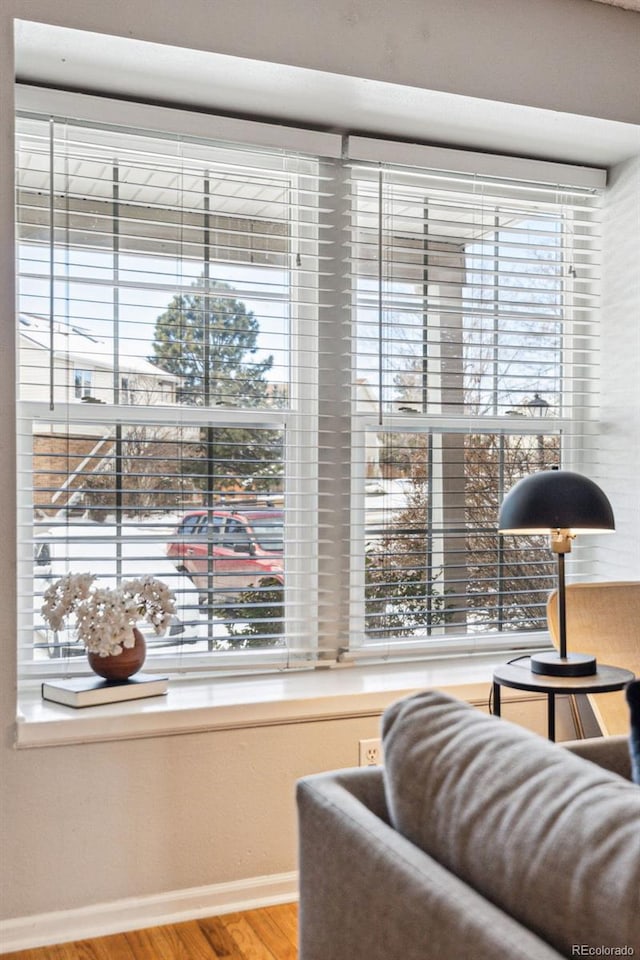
<point x="297" y="419"/>
<point x="372" y="158"/>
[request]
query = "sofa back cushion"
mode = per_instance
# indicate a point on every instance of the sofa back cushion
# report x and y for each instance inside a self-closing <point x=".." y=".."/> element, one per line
<point x="545" y="835"/>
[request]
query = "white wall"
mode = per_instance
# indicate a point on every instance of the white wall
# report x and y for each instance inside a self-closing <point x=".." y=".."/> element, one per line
<point x="102" y="822"/>
<point x="83" y="824"/>
<point x="569" y="55"/>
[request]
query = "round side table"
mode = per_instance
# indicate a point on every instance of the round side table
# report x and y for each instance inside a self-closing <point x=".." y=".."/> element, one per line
<point x="517" y="674"/>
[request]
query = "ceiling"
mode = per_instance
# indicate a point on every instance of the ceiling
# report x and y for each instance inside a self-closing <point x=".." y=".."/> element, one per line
<point x="134" y="69"/>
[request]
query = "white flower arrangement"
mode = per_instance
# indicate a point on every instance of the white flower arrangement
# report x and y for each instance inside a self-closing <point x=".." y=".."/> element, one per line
<point x="105" y="616"/>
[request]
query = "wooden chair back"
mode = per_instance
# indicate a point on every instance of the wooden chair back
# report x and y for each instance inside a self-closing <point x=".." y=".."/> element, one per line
<point x="603" y="619"/>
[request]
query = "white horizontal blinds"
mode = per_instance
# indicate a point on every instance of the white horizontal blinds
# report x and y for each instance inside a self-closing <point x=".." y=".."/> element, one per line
<point x="434" y="564"/>
<point x="168" y="316"/>
<point x="472" y="296"/>
<point x="204" y="237"/>
<point x="207" y="370"/>
<point x="475" y="363"/>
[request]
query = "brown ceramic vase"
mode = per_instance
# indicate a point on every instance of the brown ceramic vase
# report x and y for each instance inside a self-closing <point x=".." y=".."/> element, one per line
<point x="123" y="665"/>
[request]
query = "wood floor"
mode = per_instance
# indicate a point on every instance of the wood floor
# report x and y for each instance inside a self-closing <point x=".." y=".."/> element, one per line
<point x="266" y="934"/>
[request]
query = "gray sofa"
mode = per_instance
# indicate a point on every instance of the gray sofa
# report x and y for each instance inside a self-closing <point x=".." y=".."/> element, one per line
<point x="477" y="841"/>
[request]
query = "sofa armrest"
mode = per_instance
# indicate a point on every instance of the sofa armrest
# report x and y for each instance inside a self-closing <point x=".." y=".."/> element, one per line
<point x="611" y="753"/>
<point x="368" y="893"/>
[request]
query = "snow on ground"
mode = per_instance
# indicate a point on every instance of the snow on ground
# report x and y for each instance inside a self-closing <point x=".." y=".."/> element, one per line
<point x="80" y="546"/>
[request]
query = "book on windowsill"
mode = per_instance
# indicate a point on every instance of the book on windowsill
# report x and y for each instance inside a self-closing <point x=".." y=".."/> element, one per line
<point x="92" y="691"/>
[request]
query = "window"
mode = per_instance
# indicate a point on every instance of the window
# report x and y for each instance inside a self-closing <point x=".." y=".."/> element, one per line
<point x="178" y="280"/>
<point x="473" y="367"/>
<point x="305" y="428"/>
<point x="82" y="384"/>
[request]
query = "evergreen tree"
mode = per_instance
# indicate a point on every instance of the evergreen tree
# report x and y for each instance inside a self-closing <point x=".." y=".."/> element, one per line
<point x="205" y="338"/>
<point x="209" y="339"/>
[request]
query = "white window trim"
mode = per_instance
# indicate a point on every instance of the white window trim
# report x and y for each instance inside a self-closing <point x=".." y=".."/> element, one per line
<point x="372" y="150"/>
<point x="167" y="120"/>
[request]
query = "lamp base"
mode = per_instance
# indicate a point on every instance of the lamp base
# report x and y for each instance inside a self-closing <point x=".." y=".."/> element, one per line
<point x="573" y="665"/>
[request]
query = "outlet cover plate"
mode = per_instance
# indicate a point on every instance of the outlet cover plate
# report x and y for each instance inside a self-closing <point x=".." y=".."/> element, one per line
<point x="370" y="752"/>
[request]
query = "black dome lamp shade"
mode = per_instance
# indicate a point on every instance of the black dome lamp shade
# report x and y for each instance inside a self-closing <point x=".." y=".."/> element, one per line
<point x="560" y="503"/>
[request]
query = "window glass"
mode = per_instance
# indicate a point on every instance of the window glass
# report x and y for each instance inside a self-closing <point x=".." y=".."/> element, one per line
<point x="82" y="383"/>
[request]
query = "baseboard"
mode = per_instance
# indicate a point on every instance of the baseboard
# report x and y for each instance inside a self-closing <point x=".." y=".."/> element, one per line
<point x="135" y="913"/>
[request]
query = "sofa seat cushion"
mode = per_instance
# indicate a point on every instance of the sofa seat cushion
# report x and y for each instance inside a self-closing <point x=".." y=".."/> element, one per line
<point x="545" y="835"/>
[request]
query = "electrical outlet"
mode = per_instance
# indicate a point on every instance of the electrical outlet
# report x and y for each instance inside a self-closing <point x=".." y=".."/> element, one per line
<point x="371" y="752"/>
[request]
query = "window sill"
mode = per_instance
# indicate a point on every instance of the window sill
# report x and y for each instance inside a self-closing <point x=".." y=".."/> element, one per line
<point x="193" y="706"/>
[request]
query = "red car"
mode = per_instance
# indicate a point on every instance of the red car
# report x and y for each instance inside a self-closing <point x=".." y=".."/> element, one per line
<point x="227" y="550"/>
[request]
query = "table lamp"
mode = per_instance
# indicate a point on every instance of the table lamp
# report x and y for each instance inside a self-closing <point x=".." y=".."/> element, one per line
<point x="562" y="504"/>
